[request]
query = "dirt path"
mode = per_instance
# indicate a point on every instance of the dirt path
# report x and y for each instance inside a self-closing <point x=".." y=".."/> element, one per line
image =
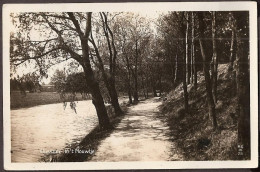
<point x="140" y="136"/>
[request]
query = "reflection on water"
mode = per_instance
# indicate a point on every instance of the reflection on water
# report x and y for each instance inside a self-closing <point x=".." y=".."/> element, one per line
<point x="48" y="127"/>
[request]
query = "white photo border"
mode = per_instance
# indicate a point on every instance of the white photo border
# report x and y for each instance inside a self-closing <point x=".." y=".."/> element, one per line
<point x="119" y="7"/>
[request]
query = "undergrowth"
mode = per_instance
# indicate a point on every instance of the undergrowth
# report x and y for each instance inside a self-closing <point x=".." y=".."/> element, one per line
<point x="192" y="131"/>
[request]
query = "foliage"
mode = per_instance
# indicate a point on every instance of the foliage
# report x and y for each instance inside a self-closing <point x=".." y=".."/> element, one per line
<point x="59" y="80"/>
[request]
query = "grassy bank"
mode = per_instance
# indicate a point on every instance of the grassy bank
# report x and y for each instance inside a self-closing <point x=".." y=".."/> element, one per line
<point x="192" y="131"/>
<point x="33" y="99"/>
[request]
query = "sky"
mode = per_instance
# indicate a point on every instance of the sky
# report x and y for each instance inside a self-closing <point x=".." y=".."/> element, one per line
<point x="35" y="36"/>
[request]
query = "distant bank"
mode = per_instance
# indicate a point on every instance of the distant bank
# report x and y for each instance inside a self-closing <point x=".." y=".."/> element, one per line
<point x="19" y="100"/>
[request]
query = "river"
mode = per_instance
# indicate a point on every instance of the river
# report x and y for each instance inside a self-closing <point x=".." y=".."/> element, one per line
<point x="48" y="127"/>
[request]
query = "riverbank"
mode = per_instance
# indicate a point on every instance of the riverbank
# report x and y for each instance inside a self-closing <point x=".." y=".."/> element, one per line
<point x="139" y="133"/>
<point x="88" y="144"/>
<point x="19" y="100"/>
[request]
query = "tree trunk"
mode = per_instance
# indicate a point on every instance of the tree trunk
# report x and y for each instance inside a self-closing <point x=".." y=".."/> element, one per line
<point x="135" y="75"/>
<point x="130" y="96"/>
<point x="129" y="86"/>
<point x="112" y="63"/>
<point x="135" y="89"/>
<point x="172" y="69"/>
<point x="187" y="50"/>
<point x="233" y="43"/>
<point x="114" y="97"/>
<point x="108" y="80"/>
<point x="176" y="69"/>
<point x="154" y="91"/>
<point x="184" y="63"/>
<point x="185" y="91"/>
<point x="192" y="52"/>
<point x="206" y="64"/>
<point x="243" y="85"/>
<point x="97" y="98"/>
<point x="215" y="58"/>
<point x="232" y="57"/>
<point x="160" y="85"/>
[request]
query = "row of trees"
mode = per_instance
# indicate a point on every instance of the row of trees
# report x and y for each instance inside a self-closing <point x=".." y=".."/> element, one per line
<point x="28" y="82"/>
<point x="192" y="41"/>
<point x="71" y="83"/>
<point x="126" y="53"/>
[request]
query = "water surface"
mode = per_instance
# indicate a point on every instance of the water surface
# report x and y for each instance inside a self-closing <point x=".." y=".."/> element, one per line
<point x="49" y="127"/>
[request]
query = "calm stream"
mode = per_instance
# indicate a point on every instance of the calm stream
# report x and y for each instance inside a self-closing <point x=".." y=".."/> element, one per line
<point x="49" y="127"/>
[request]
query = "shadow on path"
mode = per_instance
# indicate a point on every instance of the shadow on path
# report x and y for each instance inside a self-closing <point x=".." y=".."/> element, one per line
<point x="140" y="136"/>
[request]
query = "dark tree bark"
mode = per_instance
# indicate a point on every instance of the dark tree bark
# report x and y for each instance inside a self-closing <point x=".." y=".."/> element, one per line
<point x="187" y="49"/>
<point x="109" y="81"/>
<point x="144" y="89"/>
<point x="243" y="84"/>
<point x="129" y="80"/>
<point x="177" y="74"/>
<point x="112" y="62"/>
<point x="136" y="75"/>
<point x="214" y="58"/>
<point x="172" y="62"/>
<point x="232" y="57"/>
<point x="206" y="64"/>
<point x="97" y="98"/>
<point x="160" y="84"/>
<point x="129" y="71"/>
<point x="184" y="31"/>
<point x="194" y="68"/>
<point x="233" y="42"/>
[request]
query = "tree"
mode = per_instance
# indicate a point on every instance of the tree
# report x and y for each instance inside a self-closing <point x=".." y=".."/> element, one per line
<point x="109" y="79"/>
<point x="133" y="37"/>
<point x="210" y="100"/>
<point x="233" y="40"/>
<point x="76" y="83"/>
<point x="185" y="66"/>
<point x="65" y="36"/>
<point x="214" y="58"/>
<point x="187" y="49"/>
<point x="59" y="80"/>
<point x="194" y="66"/>
<point x="242" y="80"/>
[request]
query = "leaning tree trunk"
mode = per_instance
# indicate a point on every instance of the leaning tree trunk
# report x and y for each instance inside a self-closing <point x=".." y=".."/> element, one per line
<point x="215" y="58"/>
<point x="206" y="64"/>
<point x="243" y="85"/>
<point x="97" y="98"/>
<point x="112" y="62"/>
<point x="114" y="97"/>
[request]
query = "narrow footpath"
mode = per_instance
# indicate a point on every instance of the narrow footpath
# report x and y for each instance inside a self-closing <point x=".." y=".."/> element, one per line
<point x="140" y="136"/>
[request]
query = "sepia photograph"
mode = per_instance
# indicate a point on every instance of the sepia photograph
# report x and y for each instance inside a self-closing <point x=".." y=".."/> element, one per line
<point x="130" y="85"/>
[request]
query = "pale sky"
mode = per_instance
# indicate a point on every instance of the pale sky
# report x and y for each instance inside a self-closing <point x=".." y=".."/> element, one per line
<point x="35" y="36"/>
